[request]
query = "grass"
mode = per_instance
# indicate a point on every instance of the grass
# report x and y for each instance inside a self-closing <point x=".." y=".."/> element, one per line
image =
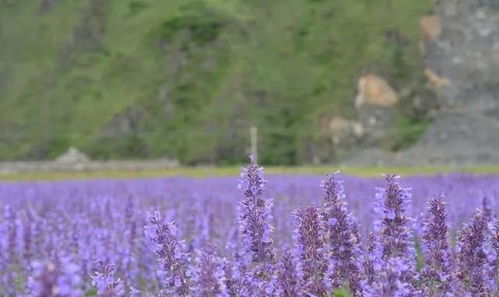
<point x="203" y="172"/>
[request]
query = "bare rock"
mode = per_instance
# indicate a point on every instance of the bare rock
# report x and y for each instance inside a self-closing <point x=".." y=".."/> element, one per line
<point x="375" y="104"/>
<point x="344" y="131"/>
<point x="73" y="155"/>
<point x="374" y="90"/>
<point x="460" y="45"/>
<point x="465" y="52"/>
<point x="436" y="80"/>
<point x="430" y="27"/>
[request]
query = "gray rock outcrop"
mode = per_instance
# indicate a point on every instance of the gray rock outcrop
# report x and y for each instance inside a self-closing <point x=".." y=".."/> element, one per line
<point x="375" y="104"/>
<point x="460" y="45"/>
<point x="461" y="50"/>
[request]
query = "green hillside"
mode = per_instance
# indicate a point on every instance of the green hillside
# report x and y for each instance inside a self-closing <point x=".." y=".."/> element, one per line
<point x="186" y="78"/>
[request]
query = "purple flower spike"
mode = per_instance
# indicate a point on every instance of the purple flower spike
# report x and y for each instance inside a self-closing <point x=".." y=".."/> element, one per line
<point x="393" y="256"/>
<point x="55" y="279"/>
<point x="342" y="237"/>
<point x="494" y="256"/>
<point x="8" y="249"/>
<point x="105" y="281"/>
<point x="208" y="275"/>
<point x="171" y="255"/>
<point x="437" y="273"/>
<point x="391" y="281"/>
<point x="310" y="251"/>
<point x="252" y="180"/>
<point x="487" y="207"/>
<point x="232" y="282"/>
<point x="287" y="281"/>
<point x="472" y="258"/>
<point x="255" y="217"/>
<point x="372" y="259"/>
<point x="395" y="236"/>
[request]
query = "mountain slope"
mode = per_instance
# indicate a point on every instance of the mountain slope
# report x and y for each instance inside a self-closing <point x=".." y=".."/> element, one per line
<point x="186" y="78"/>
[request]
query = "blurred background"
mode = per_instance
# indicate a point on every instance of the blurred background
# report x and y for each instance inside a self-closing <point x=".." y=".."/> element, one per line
<point x="205" y="82"/>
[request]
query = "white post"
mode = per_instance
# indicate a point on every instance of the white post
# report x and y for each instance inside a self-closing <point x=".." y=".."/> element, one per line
<point x="254" y="142"/>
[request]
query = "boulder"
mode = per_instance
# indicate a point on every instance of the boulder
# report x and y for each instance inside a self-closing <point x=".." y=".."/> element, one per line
<point x="73" y="155"/>
<point x="374" y="90"/>
<point x="375" y="104"/>
<point x="430" y="27"/>
<point x="344" y="131"/>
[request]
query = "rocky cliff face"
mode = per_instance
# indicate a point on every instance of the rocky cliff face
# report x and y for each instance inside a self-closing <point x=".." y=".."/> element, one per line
<point x="464" y="52"/>
<point x="461" y="49"/>
<point x="460" y="45"/>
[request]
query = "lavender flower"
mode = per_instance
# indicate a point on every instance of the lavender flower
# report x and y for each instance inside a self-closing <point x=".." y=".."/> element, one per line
<point x="390" y="281"/>
<point x="208" y="275"/>
<point x="129" y="262"/>
<point x="287" y="281"/>
<point x="8" y="251"/>
<point x="8" y="244"/>
<point x="28" y="238"/>
<point x="397" y="261"/>
<point x="342" y="237"/>
<point x="487" y="207"/>
<point x="202" y="225"/>
<point x="87" y="220"/>
<point x="372" y="259"/>
<point x="170" y="253"/>
<point x="437" y="273"/>
<point x="252" y="179"/>
<point x="494" y="255"/>
<point x="105" y="281"/>
<point x="310" y="251"/>
<point x="395" y="235"/>
<point x="239" y="276"/>
<point x="255" y="216"/>
<point x="232" y="282"/>
<point x="471" y="258"/>
<point x="55" y="279"/>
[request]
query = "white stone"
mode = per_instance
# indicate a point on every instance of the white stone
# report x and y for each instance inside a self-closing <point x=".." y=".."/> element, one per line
<point x="73" y="155"/>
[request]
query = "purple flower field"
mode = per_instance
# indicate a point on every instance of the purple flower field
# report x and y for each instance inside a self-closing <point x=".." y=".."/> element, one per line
<point x="252" y="236"/>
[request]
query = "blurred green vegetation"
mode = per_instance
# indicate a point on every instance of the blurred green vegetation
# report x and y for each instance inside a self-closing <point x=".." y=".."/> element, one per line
<point x="186" y="78"/>
<point x="408" y="131"/>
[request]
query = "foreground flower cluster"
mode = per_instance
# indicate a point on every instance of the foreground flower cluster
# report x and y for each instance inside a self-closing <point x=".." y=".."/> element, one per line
<point x="191" y="244"/>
